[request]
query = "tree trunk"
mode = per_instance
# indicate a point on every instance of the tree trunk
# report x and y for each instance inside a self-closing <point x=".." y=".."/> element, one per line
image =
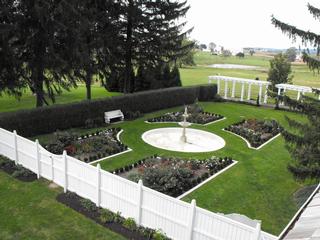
<point x="88" y="84"/>
<point x="37" y="79"/>
<point x="128" y="57"/>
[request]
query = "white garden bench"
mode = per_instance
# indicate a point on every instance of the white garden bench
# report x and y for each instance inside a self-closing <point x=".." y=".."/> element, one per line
<point x="112" y="115"/>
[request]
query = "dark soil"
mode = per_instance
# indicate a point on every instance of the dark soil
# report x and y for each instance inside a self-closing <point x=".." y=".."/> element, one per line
<point x="74" y="203"/>
<point x="10" y="168"/>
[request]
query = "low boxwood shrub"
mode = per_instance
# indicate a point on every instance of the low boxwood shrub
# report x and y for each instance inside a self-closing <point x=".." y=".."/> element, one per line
<point x="49" y="119"/>
<point x="88" y="205"/>
<point x="106" y="216"/>
<point x="130" y="224"/>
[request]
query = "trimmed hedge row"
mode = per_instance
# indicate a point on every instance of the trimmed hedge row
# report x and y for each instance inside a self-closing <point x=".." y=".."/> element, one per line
<point x="59" y="117"/>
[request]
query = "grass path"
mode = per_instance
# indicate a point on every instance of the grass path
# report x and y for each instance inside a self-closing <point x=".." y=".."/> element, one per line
<point x="29" y="211"/>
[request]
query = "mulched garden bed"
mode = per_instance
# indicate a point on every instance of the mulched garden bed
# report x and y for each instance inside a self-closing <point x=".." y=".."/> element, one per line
<point x="256" y="132"/>
<point x="196" y="115"/>
<point x="16" y="171"/>
<point x="113" y="221"/>
<point x="87" y="147"/>
<point x="172" y="176"/>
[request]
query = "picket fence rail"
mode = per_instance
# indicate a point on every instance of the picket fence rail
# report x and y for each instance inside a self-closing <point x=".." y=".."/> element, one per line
<point x="178" y="219"/>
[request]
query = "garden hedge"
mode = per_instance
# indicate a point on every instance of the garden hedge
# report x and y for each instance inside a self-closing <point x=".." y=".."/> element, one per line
<point x="60" y="117"/>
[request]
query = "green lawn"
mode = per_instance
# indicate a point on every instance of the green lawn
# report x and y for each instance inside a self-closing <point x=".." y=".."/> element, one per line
<point x="259" y="186"/>
<point x="29" y="211"/>
<point x="10" y="103"/>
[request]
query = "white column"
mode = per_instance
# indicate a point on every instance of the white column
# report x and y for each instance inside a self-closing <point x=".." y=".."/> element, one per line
<point x="260" y="93"/>
<point x="226" y="89"/>
<point x="15" y="142"/>
<point x="65" y="169"/>
<point x="298" y="96"/>
<point x="284" y="90"/>
<point x="233" y="89"/>
<point x="249" y="91"/>
<point x="98" y="202"/>
<point x="191" y="219"/>
<point x="279" y="91"/>
<point x="139" y="203"/>
<point x="218" y="85"/>
<point x="265" y="101"/>
<point x="38" y="156"/>
<point x="242" y="92"/>
<point x="209" y="80"/>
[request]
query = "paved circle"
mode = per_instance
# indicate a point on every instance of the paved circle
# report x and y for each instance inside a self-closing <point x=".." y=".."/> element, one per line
<point x="197" y="140"/>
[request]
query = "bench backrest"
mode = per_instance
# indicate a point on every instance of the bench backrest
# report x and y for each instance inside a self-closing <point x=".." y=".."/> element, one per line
<point x="115" y="113"/>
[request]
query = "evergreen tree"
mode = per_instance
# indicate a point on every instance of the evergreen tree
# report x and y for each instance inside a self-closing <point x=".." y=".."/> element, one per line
<point x="175" y="77"/>
<point x="279" y="72"/>
<point x="304" y="143"/>
<point x="166" y="76"/>
<point x="38" y="45"/>
<point x="152" y="34"/>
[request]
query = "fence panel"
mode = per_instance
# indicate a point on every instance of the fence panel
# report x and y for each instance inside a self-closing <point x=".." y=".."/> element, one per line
<point x="7" y="144"/>
<point x="119" y="194"/>
<point x="162" y="212"/>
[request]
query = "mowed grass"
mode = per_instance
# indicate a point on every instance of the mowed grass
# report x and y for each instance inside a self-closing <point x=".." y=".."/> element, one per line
<point x="28" y="100"/>
<point x="199" y="74"/>
<point x="29" y="211"/>
<point x="259" y="186"/>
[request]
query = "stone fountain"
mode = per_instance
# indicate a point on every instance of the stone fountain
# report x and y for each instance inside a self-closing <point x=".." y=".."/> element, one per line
<point x="171" y="138"/>
<point x="184" y="125"/>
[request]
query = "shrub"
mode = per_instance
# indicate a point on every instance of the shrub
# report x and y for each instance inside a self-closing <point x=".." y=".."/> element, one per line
<point x="88" y="205"/>
<point x="159" y="235"/>
<point x="39" y="121"/>
<point x="21" y="172"/>
<point x="106" y="216"/>
<point x="130" y="224"/>
<point x="118" y="218"/>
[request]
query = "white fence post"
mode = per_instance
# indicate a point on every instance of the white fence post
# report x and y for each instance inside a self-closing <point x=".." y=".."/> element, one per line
<point x="139" y="202"/>
<point x="98" y="185"/>
<point x="191" y="219"/>
<point x="52" y="168"/>
<point x="38" y="159"/>
<point x="257" y="233"/>
<point x="15" y="142"/>
<point x="65" y="170"/>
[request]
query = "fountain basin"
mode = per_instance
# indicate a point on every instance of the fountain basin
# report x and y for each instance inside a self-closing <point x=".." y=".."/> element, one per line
<point x="170" y="139"/>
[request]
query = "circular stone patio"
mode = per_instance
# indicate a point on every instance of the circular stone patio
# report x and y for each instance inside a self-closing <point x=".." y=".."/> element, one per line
<point x="197" y="140"/>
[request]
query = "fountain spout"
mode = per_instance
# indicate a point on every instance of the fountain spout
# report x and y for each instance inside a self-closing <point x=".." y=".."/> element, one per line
<point x="184" y="125"/>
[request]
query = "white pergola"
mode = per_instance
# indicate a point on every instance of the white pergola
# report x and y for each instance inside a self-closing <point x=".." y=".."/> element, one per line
<point x="243" y="82"/>
<point x="297" y="88"/>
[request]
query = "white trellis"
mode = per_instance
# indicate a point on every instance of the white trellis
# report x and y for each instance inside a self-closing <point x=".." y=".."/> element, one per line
<point x="299" y="89"/>
<point x="263" y="85"/>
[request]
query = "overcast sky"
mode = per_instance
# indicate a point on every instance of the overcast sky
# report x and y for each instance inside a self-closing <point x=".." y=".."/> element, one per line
<point x="236" y="24"/>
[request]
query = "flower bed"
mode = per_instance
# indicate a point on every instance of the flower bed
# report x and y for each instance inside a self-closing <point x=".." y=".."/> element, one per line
<point x="172" y="176"/>
<point x="256" y="132"/>
<point x="16" y="171"/>
<point x="196" y="115"/>
<point x="88" y="147"/>
<point x="113" y="221"/>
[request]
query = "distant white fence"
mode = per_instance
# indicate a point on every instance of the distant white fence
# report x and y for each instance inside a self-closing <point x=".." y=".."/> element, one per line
<point x="178" y="219"/>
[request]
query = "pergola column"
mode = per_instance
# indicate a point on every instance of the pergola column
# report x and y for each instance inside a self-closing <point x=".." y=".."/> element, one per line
<point x="225" y="89"/>
<point x="265" y="101"/>
<point x="298" y="96"/>
<point x="218" y="85"/>
<point x="233" y="89"/>
<point x="260" y="93"/>
<point x="242" y="91"/>
<point x="279" y="91"/>
<point x="249" y="91"/>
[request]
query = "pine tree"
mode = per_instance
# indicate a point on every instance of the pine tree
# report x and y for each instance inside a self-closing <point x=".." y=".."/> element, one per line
<point x="175" y="77"/>
<point x="39" y="45"/>
<point x="304" y="143"/>
<point x="152" y="34"/>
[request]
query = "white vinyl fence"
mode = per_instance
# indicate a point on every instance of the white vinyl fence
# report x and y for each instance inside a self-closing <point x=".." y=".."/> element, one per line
<point x="178" y="219"/>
